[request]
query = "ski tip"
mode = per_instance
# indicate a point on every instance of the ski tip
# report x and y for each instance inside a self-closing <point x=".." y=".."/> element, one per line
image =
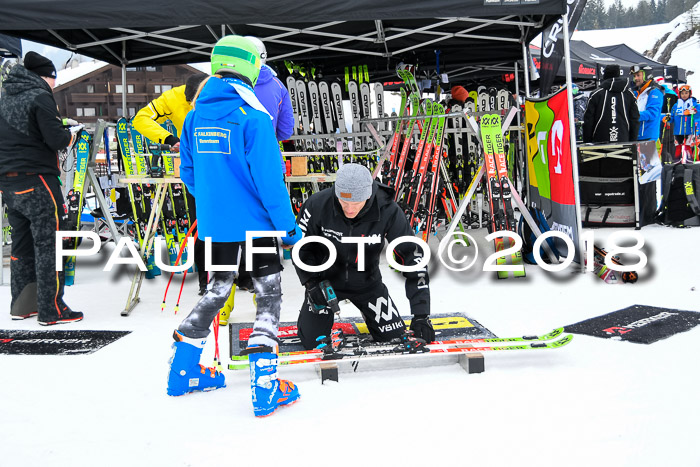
<point x="562" y="342"/>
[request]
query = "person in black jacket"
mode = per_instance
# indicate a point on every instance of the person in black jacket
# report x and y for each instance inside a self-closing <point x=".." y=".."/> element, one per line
<point x="612" y="115"/>
<point x="31" y="133"/>
<point x="357" y="206"/>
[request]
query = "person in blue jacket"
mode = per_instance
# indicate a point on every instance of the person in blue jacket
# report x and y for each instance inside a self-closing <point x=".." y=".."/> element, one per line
<point x="273" y="95"/>
<point x="650" y="98"/>
<point x="230" y="163"/>
<point x="684" y="114"/>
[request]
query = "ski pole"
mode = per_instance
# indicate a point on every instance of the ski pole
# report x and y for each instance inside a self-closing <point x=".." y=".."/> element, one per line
<point x="179" y="256"/>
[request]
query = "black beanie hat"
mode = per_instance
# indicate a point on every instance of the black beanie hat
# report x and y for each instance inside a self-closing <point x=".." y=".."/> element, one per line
<point x="192" y="84"/>
<point x="39" y="64"/>
<point x="611" y="71"/>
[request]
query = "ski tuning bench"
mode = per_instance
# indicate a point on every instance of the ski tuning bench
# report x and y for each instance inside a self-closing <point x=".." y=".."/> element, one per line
<point x="472" y="362"/>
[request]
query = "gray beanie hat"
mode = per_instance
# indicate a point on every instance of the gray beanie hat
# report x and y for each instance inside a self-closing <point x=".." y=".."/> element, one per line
<point x="353" y="183"/>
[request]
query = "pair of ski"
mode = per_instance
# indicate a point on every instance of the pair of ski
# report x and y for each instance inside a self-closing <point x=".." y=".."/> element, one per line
<point x="498" y="189"/>
<point x="174" y="218"/>
<point x="361" y="348"/>
<point x="421" y="184"/>
<point x="75" y="198"/>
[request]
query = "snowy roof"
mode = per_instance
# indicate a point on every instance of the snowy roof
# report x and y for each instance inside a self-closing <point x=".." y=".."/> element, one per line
<point x="69" y="74"/>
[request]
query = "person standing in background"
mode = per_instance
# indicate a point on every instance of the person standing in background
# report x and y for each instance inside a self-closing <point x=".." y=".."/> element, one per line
<point x="31" y="133"/>
<point x="174" y="105"/>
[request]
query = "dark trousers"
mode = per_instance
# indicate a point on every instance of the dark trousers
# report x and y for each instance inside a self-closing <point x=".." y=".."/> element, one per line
<point x="36" y="210"/>
<point x="266" y="278"/>
<point x="198" y="244"/>
<point x="377" y="308"/>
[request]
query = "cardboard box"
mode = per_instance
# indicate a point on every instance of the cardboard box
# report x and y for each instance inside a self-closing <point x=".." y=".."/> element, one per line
<point x="300" y="165"/>
<point x="176" y="167"/>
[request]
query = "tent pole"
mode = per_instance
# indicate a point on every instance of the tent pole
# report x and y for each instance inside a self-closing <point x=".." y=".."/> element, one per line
<point x="124" y="114"/>
<point x="526" y="71"/>
<point x="572" y="139"/>
<point x="521" y="147"/>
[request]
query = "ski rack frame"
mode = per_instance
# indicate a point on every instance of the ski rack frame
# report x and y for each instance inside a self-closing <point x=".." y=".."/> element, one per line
<point x="150" y="233"/>
<point x="452" y="227"/>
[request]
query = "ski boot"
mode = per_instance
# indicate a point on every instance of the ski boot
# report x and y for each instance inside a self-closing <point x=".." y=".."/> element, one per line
<point x="186" y="374"/>
<point x="269" y="392"/>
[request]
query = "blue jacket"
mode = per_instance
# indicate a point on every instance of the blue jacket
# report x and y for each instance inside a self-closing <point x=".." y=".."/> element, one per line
<point x="230" y="163"/>
<point x="650" y="102"/>
<point x="683" y="124"/>
<point x="274" y="96"/>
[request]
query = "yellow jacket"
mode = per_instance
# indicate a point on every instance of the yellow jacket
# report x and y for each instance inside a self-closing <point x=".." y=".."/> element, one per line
<point x="170" y="105"/>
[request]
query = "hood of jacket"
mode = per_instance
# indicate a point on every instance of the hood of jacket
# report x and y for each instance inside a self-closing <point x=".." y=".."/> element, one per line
<point x="266" y="75"/>
<point x="217" y="100"/>
<point x="21" y="80"/>
<point x="617" y="84"/>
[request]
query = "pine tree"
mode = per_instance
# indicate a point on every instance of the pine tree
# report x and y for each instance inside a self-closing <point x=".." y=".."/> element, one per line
<point x="661" y="11"/>
<point x="613" y="16"/>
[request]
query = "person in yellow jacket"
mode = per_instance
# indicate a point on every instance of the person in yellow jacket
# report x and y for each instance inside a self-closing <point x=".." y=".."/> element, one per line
<point x="174" y="105"/>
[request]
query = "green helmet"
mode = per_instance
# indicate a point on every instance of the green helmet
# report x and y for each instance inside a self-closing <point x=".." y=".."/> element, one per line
<point x="238" y="55"/>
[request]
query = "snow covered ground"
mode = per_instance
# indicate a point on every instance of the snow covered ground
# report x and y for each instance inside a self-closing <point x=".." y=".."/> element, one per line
<point x="594" y="402"/>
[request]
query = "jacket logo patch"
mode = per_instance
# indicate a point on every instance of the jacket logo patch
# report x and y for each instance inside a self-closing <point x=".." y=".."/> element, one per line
<point x="213" y="140"/>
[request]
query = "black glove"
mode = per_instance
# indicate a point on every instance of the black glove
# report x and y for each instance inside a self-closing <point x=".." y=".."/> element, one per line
<point x="317" y="300"/>
<point x="171" y="140"/>
<point x="423" y="328"/>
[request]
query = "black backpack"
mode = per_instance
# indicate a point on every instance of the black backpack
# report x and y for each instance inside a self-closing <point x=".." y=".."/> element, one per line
<point x="680" y="205"/>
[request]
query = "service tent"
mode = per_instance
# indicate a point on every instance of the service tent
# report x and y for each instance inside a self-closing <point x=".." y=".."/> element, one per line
<point x="623" y="51"/>
<point x="332" y="33"/>
<point x="10" y="46"/>
<point x="585" y="61"/>
<point x="335" y="33"/>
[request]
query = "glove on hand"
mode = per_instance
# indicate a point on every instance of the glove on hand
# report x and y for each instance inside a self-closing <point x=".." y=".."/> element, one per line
<point x="293" y="236"/>
<point x="423" y="328"/>
<point x="74" y="132"/>
<point x="317" y="300"/>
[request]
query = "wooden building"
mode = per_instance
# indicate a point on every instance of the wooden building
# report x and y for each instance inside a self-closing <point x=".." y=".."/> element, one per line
<point x="98" y="93"/>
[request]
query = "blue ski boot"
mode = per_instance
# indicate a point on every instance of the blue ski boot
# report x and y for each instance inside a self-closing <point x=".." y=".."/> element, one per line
<point x="269" y="393"/>
<point x="186" y="374"/>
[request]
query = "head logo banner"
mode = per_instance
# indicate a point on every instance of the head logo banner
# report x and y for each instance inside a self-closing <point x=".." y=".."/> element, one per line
<point x="549" y="163"/>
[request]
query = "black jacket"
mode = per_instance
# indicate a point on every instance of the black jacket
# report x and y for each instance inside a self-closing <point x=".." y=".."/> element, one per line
<point x="31" y="130"/>
<point x="612" y="114"/>
<point x="322" y="215"/>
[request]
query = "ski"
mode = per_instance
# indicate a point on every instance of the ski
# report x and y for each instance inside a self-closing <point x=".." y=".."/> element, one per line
<point x="336" y="92"/>
<point x="74" y="200"/>
<point x="433" y="176"/>
<point x="506" y="196"/>
<point x="354" y="93"/>
<point x="139" y="212"/>
<point x="316" y="356"/>
<point x="608" y="275"/>
<point x="397" y="177"/>
<point x="366" y="113"/>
